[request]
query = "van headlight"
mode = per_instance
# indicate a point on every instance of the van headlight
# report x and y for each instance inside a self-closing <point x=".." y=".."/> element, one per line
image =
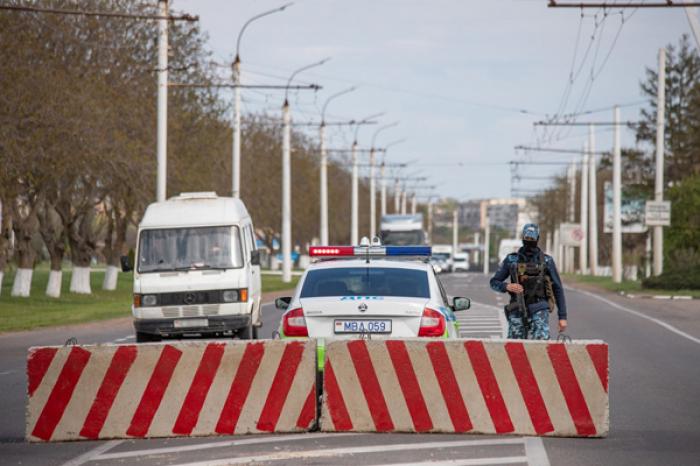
<point x="229" y="296"/>
<point x="149" y="300"/>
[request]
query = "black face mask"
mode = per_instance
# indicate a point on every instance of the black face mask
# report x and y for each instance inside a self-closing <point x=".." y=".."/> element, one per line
<point x="530" y="246"/>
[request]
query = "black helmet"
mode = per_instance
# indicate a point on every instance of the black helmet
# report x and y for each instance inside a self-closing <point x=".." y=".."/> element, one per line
<point x="531" y="232"/>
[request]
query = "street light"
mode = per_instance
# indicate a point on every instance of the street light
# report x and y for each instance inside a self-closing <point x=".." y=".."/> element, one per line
<point x="324" y="166"/>
<point x="354" y="198"/>
<point x="382" y="203"/>
<point x="236" y="164"/>
<point x="372" y="192"/>
<point x="287" y="178"/>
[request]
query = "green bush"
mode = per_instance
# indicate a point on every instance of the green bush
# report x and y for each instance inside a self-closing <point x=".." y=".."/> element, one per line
<point x="675" y="279"/>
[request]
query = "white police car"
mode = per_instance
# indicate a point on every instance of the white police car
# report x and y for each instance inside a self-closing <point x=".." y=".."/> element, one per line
<point x="360" y="292"/>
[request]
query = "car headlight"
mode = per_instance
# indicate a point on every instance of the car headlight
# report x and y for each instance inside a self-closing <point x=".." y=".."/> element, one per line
<point x="229" y="296"/>
<point x="149" y="300"/>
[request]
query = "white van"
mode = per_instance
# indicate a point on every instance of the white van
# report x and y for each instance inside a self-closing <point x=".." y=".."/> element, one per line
<point x="197" y="269"/>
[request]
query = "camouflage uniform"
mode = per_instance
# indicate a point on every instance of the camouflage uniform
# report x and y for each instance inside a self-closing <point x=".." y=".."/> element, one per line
<point x="538" y="321"/>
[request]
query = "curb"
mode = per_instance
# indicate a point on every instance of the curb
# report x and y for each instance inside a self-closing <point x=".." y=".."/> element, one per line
<point x="656" y="296"/>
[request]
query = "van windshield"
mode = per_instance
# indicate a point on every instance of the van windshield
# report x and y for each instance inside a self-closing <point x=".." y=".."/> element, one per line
<point x="189" y="248"/>
<point x="403" y="238"/>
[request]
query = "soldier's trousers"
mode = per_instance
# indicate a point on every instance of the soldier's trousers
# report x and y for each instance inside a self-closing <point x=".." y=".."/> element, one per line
<point x="539" y="325"/>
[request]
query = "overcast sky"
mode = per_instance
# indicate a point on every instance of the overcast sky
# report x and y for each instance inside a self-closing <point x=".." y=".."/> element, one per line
<point x="466" y="78"/>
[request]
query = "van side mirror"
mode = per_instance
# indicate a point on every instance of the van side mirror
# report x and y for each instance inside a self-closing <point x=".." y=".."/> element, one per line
<point x="126" y="264"/>
<point x="255" y="257"/>
<point x="283" y="303"/>
<point x="461" y="304"/>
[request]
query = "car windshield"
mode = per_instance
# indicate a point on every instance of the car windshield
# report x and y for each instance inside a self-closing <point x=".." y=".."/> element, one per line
<point x="189" y="248"/>
<point x="403" y="238"/>
<point x="366" y="281"/>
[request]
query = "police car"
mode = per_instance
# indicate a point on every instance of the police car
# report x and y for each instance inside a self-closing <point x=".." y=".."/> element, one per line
<point x="365" y="292"/>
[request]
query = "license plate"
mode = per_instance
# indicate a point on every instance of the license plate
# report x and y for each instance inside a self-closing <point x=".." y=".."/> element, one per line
<point x="185" y="323"/>
<point x="363" y="326"/>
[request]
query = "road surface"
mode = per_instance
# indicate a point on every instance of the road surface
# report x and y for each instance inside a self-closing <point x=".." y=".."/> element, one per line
<point x="654" y="400"/>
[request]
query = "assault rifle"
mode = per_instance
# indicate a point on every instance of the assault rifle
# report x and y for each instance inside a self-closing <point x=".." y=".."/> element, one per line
<point x="519" y="300"/>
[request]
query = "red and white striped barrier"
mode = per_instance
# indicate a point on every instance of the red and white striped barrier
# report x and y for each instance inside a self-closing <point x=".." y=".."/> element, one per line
<point x="171" y="389"/>
<point x="476" y="386"/>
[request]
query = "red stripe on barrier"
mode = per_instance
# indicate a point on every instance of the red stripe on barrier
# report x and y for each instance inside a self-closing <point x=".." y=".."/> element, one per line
<point x="61" y="393"/>
<point x="529" y="388"/>
<point x="570" y="388"/>
<point x="153" y="394"/>
<point x="203" y="378"/>
<point x="489" y="387"/>
<point x="599" y="356"/>
<point x="449" y="387"/>
<point x="334" y="400"/>
<point x="114" y="377"/>
<point x="308" y="411"/>
<point x="240" y="386"/>
<point x="409" y="385"/>
<point x="286" y="370"/>
<point x="38" y="364"/>
<point x="370" y="386"/>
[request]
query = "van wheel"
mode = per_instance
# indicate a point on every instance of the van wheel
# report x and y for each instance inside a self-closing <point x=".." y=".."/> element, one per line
<point x="142" y="337"/>
<point x="248" y="332"/>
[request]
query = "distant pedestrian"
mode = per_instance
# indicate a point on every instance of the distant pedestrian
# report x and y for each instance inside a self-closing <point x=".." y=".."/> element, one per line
<point x="533" y="275"/>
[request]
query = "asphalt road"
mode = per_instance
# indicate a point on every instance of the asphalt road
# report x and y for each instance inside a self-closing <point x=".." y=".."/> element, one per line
<point x="654" y="400"/>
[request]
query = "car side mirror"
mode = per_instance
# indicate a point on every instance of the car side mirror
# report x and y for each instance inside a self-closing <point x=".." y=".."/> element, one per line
<point x="461" y="304"/>
<point x="283" y="303"/>
<point x="255" y="257"/>
<point x="126" y="264"/>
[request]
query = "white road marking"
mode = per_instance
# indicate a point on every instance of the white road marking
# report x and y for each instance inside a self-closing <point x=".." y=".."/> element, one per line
<point x="93" y="454"/>
<point x="639" y="314"/>
<point x="210" y="445"/>
<point x="465" y="462"/>
<point x="287" y="455"/>
<point x="536" y="454"/>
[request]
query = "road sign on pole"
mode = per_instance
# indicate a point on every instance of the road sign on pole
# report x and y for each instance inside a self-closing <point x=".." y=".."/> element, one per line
<point x="571" y="234"/>
<point x="658" y="213"/>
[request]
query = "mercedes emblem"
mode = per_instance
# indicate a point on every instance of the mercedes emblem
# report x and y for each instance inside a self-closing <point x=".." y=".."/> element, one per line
<point x="362" y="307"/>
<point x="189" y="298"/>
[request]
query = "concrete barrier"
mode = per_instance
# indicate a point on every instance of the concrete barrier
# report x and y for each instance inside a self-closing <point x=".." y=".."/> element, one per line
<point x="195" y="388"/>
<point x="475" y="386"/>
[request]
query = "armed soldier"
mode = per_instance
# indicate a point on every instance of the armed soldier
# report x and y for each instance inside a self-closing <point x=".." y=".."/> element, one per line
<point x="534" y="289"/>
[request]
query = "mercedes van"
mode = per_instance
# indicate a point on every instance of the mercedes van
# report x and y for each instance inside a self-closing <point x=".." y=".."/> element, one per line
<point x="196" y="270"/>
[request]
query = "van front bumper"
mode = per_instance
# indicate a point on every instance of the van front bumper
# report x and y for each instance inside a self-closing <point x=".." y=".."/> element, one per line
<point x="215" y="325"/>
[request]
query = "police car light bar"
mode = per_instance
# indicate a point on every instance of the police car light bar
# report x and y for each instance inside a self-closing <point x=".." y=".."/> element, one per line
<point x="372" y="251"/>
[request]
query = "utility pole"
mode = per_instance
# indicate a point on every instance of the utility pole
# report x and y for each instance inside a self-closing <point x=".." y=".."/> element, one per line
<point x="372" y="188"/>
<point x="487" y="245"/>
<point x="403" y="201"/>
<point x="556" y="246"/>
<point x="455" y="231"/>
<point x="659" y="185"/>
<point x="324" y="167"/>
<point x="617" y="195"/>
<point x="162" y="134"/>
<point x="476" y="251"/>
<point x="383" y="196"/>
<point x="413" y="204"/>
<point x="583" y="251"/>
<point x="593" y="204"/>
<point x="354" y="234"/>
<point x="287" y="179"/>
<point x="572" y="214"/>
<point x="397" y="196"/>
<point x="430" y="220"/>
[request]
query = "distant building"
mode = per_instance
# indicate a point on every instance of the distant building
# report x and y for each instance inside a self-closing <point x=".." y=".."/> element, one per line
<point x="509" y="214"/>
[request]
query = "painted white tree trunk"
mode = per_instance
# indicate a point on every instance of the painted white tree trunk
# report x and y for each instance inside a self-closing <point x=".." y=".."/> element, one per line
<point x="23" y="283"/>
<point x="2" y="275"/>
<point x="53" y="288"/>
<point x="110" y="281"/>
<point x="80" y="280"/>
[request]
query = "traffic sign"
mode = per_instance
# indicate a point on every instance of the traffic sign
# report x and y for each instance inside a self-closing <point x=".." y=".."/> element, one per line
<point x="571" y="234"/>
<point x="658" y="213"/>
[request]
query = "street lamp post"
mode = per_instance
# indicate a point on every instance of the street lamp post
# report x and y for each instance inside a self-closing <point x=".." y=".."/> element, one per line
<point x="236" y="123"/>
<point x="162" y="132"/>
<point x="287" y="178"/>
<point x="324" y="167"/>
<point x="372" y="189"/>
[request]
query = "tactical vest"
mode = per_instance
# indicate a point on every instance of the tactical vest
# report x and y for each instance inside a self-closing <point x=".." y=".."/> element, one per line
<point x="531" y="275"/>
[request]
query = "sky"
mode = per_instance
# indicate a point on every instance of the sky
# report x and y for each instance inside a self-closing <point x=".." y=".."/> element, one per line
<point x="466" y="79"/>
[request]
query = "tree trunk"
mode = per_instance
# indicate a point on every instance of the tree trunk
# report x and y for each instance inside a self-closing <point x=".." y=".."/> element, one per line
<point x="24" y="229"/>
<point x="54" y="237"/>
<point x="80" y="280"/>
<point x="81" y="248"/>
<point x="5" y="237"/>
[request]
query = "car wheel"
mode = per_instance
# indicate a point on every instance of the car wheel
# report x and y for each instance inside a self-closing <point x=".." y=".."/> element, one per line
<point x="142" y="337"/>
